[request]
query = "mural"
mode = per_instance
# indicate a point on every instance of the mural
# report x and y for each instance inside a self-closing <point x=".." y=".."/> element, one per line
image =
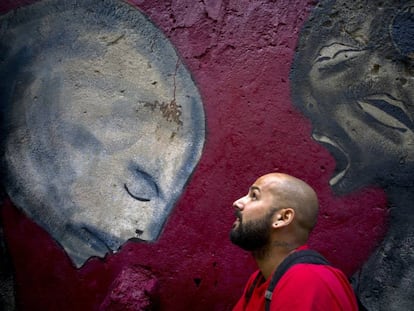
<point x="101" y="106"/>
<point x="353" y="78"/>
<point x="96" y="147"/>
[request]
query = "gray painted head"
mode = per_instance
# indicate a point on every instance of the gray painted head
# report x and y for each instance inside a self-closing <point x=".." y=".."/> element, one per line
<point x="102" y="124"/>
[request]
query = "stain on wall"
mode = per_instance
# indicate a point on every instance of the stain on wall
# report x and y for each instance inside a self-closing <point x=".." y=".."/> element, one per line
<point x="239" y="55"/>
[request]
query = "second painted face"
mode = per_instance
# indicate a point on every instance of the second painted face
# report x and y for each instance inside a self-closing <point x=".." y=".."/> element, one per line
<point x="358" y="92"/>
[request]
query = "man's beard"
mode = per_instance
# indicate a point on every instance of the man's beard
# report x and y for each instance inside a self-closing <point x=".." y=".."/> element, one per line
<point x="252" y="235"/>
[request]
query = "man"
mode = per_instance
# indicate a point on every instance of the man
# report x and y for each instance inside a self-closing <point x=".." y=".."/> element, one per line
<point x="273" y="221"/>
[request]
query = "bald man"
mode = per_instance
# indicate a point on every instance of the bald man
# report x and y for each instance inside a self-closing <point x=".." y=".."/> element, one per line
<point x="274" y="221"/>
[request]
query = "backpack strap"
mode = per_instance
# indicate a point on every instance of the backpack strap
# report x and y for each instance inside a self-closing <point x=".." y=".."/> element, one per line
<point x="250" y="291"/>
<point x="303" y="256"/>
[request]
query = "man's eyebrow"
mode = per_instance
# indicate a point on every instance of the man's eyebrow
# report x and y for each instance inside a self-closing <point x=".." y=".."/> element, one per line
<point x="254" y="188"/>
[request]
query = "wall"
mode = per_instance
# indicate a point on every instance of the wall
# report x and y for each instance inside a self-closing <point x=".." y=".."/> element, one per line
<point x="240" y="55"/>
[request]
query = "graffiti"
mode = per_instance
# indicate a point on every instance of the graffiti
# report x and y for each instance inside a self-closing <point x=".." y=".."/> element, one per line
<point x="90" y="150"/>
<point x="353" y="78"/>
<point x="240" y="55"/>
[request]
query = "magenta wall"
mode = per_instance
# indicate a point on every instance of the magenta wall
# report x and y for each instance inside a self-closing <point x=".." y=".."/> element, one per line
<point x="240" y="54"/>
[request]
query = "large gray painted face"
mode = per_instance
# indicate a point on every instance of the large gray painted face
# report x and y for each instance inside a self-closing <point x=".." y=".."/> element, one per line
<point x="103" y="123"/>
<point x="353" y="77"/>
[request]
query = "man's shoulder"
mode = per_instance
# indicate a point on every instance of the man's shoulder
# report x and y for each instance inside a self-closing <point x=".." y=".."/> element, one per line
<point x="309" y="273"/>
<point x="311" y="270"/>
<point x="321" y="285"/>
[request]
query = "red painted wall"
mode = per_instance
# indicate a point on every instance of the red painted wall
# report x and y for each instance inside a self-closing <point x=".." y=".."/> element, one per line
<point x="239" y="53"/>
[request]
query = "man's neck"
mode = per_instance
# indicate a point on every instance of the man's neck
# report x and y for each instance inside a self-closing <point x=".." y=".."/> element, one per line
<point x="270" y="257"/>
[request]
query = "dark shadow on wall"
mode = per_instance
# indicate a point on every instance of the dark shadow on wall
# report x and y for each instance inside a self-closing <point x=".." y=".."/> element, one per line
<point x="353" y="77"/>
<point x="7" y="294"/>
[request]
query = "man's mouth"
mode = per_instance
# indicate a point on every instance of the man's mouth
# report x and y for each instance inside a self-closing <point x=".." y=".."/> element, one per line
<point x="236" y="224"/>
<point x="238" y="218"/>
<point x="341" y="158"/>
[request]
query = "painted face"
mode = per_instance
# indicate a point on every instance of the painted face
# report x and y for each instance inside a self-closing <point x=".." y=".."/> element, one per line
<point x="358" y="91"/>
<point x="254" y="212"/>
<point x="103" y="138"/>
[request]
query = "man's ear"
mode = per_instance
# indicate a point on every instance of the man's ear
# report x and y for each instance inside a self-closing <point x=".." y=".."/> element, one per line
<point x="283" y="217"/>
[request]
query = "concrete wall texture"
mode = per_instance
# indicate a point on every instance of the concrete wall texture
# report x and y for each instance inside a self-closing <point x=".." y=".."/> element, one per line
<point x="129" y="129"/>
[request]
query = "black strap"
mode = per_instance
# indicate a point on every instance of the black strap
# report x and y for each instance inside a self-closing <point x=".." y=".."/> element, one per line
<point x="355" y="285"/>
<point x="303" y="256"/>
<point x="256" y="281"/>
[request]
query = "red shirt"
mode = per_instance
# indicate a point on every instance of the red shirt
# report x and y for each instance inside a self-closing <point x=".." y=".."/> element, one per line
<point x="304" y="287"/>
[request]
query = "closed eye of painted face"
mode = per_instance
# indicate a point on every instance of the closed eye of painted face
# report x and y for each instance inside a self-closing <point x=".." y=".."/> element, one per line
<point x="107" y="128"/>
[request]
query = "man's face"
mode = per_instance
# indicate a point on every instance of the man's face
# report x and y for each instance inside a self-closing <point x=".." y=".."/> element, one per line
<point x="254" y="212"/>
<point x="359" y="98"/>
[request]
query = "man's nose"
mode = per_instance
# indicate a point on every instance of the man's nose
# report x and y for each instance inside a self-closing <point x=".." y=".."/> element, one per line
<point x="239" y="204"/>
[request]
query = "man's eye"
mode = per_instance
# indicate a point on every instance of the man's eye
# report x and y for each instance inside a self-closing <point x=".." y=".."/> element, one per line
<point x="254" y="196"/>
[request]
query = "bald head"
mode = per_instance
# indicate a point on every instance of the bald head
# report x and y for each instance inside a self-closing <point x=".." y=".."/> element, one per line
<point x="291" y="192"/>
